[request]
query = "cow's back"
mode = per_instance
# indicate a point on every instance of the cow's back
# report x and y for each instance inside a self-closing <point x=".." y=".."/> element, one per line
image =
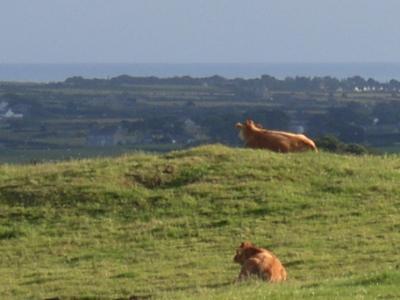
<point x="271" y="141"/>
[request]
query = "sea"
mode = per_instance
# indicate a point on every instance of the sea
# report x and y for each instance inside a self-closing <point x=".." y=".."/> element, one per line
<point x="55" y="72"/>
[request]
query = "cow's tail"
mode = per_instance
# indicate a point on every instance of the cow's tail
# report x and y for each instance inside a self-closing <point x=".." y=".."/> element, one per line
<point x="283" y="274"/>
<point x="314" y="148"/>
<point x="310" y="144"/>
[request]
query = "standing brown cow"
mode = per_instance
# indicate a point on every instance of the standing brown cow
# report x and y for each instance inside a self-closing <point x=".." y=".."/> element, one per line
<point x="255" y="136"/>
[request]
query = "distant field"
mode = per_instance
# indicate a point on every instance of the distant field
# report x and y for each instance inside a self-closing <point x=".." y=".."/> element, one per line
<point x="141" y="111"/>
<point x="165" y="226"/>
<point x="389" y="150"/>
<point x="49" y="155"/>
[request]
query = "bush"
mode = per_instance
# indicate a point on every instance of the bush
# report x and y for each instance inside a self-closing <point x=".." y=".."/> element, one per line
<point x="333" y="144"/>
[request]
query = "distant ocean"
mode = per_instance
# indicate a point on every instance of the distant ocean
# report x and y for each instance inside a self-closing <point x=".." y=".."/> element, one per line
<point x="58" y="72"/>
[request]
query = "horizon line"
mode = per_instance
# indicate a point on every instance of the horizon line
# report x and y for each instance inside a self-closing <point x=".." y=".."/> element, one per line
<point x="201" y="63"/>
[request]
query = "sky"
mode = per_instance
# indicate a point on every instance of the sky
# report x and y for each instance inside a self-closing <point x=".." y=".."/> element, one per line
<point x="199" y="31"/>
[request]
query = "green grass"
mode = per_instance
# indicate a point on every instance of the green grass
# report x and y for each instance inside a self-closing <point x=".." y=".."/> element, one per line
<point x="166" y="226"/>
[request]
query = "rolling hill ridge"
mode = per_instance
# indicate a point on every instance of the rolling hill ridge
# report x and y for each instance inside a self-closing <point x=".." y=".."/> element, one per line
<point x="166" y="226"/>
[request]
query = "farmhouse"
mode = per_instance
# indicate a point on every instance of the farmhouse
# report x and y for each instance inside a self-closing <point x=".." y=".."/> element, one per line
<point x="108" y="136"/>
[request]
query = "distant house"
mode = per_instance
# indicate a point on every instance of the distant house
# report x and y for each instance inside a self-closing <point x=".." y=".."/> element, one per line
<point x="3" y="106"/>
<point x="193" y="131"/>
<point x="7" y="113"/>
<point x="160" y="137"/>
<point x="263" y="93"/>
<point x="339" y="90"/>
<point x="106" y="137"/>
<point x="11" y="115"/>
<point x="297" y="127"/>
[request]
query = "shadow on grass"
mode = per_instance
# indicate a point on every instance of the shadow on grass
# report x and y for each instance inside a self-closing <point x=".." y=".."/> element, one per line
<point x="190" y="287"/>
<point x="168" y="177"/>
<point x="125" y="275"/>
<point x="34" y="217"/>
<point x="82" y="298"/>
<point x="132" y="297"/>
<point x="39" y="281"/>
<point x="8" y="234"/>
<point x="294" y="263"/>
<point x="258" y="212"/>
<point x="217" y="223"/>
<point x="386" y="278"/>
<point x="143" y="295"/>
<point x="136" y="297"/>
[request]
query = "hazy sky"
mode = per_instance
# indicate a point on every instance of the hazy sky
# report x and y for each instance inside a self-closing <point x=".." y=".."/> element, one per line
<point x="183" y="31"/>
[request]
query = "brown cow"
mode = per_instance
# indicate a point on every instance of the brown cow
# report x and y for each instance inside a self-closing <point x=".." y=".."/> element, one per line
<point x="259" y="262"/>
<point x="255" y="136"/>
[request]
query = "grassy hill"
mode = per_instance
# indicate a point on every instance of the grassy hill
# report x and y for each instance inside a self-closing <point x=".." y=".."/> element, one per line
<point x="167" y="226"/>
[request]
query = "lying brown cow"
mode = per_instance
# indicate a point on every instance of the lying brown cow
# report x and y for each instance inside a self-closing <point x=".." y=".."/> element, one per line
<point x="255" y="136"/>
<point x="259" y="262"/>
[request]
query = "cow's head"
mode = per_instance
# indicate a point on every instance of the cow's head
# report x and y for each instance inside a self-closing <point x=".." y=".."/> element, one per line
<point x="244" y="251"/>
<point x="245" y="127"/>
<point x="239" y="125"/>
<point x="248" y="124"/>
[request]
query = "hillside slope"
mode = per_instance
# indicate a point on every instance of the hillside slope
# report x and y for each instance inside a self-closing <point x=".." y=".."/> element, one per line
<point x="166" y="226"/>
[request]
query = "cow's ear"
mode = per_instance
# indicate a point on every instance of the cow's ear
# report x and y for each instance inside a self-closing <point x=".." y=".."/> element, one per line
<point x="239" y="125"/>
<point x="246" y="244"/>
<point x="248" y="122"/>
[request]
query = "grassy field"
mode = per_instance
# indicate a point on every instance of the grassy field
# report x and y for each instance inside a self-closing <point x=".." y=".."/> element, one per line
<point x="166" y="226"/>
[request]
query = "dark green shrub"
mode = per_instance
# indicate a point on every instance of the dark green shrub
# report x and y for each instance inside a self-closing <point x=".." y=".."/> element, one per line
<point x="333" y="144"/>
